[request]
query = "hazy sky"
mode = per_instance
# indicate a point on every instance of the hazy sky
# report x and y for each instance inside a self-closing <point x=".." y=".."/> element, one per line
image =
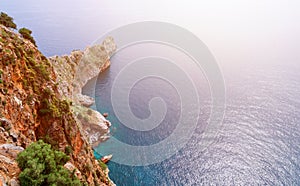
<point x="235" y="30"/>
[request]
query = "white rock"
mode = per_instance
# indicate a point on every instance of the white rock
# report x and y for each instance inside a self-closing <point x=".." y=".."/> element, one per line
<point x="13" y="182"/>
<point x="71" y="167"/>
<point x="5" y="159"/>
<point x="2" y="180"/>
<point x="11" y="147"/>
<point x="19" y="102"/>
<point x="85" y="100"/>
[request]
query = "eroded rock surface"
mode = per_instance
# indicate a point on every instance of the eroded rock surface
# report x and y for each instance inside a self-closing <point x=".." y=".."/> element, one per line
<point x="73" y="72"/>
<point x="35" y="103"/>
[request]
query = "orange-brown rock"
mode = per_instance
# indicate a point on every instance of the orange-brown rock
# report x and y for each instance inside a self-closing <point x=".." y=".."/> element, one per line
<point x="32" y="108"/>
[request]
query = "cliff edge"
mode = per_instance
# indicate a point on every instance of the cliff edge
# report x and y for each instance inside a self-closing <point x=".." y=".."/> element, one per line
<point x="36" y="104"/>
<point x="73" y="72"/>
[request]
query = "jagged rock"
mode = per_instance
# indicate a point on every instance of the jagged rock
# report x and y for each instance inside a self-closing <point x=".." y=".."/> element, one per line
<point x="23" y="112"/>
<point x="10" y="150"/>
<point x="71" y="168"/>
<point x="19" y="102"/>
<point x="85" y="101"/>
<point x="6" y="134"/>
<point x="109" y="45"/>
<point x="74" y="72"/>
<point x="93" y="123"/>
<point x="108" y="124"/>
<point x="14" y="136"/>
<point x="5" y="123"/>
<point x="5" y="159"/>
<point x="14" y="182"/>
<point x="2" y="181"/>
<point x="11" y="147"/>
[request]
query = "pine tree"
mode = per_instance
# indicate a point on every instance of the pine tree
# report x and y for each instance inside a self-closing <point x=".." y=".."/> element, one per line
<point x="26" y="34"/>
<point x="41" y="165"/>
<point x="7" y="21"/>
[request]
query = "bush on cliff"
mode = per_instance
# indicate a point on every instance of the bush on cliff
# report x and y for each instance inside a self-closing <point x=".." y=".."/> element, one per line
<point x="26" y="34"/>
<point x="41" y="165"/>
<point x="7" y="21"/>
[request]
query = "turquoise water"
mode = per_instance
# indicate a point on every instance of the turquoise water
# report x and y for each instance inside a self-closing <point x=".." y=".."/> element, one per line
<point x="258" y="143"/>
<point x="257" y="48"/>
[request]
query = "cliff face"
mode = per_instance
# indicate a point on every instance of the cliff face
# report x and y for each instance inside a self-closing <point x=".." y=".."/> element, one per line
<point x="34" y="106"/>
<point x="74" y="71"/>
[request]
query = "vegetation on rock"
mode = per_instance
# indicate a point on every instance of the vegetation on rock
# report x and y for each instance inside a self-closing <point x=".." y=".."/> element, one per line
<point x="102" y="165"/>
<point x="7" y="21"/>
<point x="34" y="109"/>
<point x="41" y="165"/>
<point x="26" y="33"/>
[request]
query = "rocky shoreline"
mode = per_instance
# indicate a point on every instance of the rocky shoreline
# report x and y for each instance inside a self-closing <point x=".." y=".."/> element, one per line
<point x="73" y="72"/>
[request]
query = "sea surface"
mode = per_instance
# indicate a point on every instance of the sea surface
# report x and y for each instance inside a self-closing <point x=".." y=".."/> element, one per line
<point x="258" y="143"/>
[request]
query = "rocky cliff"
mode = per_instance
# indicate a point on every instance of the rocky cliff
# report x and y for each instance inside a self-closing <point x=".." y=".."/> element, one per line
<point x="74" y="71"/>
<point x="41" y="99"/>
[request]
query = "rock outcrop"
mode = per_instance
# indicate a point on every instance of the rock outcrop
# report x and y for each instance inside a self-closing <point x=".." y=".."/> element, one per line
<point x="73" y="72"/>
<point x="35" y="103"/>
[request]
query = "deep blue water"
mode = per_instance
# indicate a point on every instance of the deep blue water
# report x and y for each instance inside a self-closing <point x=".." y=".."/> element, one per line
<point x="258" y="144"/>
<point x="259" y="141"/>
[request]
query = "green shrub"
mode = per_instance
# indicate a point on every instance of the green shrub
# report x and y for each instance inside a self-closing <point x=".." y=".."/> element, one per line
<point x="29" y="99"/>
<point x="25" y="84"/>
<point x="68" y="150"/>
<point x="7" y="21"/>
<point x="26" y="33"/>
<point x="49" y="108"/>
<point x="49" y="140"/>
<point x="102" y="165"/>
<point x="44" y="58"/>
<point x="89" y="112"/>
<point x="1" y="81"/>
<point x="41" y="165"/>
<point x="47" y="92"/>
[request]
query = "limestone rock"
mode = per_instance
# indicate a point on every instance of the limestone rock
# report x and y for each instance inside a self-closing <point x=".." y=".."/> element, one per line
<point x="85" y="101"/>
<point x="95" y="125"/>
<point x="71" y="168"/>
<point x="73" y="72"/>
<point x="14" y="182"/>
<point x="11" y="147"/>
